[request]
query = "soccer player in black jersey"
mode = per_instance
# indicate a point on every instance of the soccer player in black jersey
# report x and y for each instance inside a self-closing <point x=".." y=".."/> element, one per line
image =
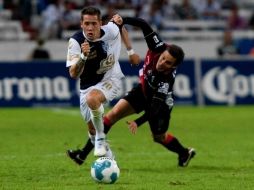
<point x="153" y="94"/>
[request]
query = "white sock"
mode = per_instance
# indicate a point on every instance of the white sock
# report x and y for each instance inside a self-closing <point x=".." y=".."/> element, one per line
<point x="97" y="119"/>
<point x="92" y="138"/>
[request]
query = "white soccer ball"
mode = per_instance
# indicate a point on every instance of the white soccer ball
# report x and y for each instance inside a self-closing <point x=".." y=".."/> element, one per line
<point x="105" y="170"/>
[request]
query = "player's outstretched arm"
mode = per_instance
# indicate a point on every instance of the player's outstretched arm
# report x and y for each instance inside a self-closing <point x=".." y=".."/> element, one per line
<point x="134" y="58"/>
<point x="153" y="40"/>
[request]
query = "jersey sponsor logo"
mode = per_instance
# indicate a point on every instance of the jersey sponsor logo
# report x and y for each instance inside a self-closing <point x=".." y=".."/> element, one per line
<point x="225" y="85"/>
<point x="163" y="88"/>
<point x="159" y="44"/>
<point x="155" y="38"/>
<point x="106" y="64"/>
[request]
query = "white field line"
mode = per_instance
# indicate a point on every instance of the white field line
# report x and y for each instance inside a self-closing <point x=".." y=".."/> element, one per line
<point x="66" y="112"/>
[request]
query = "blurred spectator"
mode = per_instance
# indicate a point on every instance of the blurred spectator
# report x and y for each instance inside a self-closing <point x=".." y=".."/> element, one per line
<point x="251" y="22"/>
<point x="110" y="11"/>
<point x="235" y="21"/>
<point x="209" y="9"/>
<point x="228" y="48"/>
<point x="227" y="4"/>
<point x="70" y="20"/>
<point x="186" y="11"/>
<point x="138" y="5"/>
<point x="39" y="53"/>
<point x="51" y="18"/>
<point x="168" y="10"/>
<point x="251" y="53"/>
<point x="155" y="12"/>
<point x="120" y="4"/>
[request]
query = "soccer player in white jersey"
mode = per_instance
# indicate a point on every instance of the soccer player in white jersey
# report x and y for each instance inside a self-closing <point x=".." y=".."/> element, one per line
<point x="92" y="57"/>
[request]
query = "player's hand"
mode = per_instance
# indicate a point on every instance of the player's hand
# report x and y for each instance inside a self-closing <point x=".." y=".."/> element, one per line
<point x="134" y="59"/>
<point x="132" y="125"/>
<point x="117" y="19"/>
<point x="85" y="47"/>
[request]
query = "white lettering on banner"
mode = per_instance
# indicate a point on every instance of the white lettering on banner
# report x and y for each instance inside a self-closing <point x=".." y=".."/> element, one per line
<point x="7" y="87"/>
<point x="42" y="88"/>
<point x="252" y="85"/>
<point x="38" y="88"/>
<point x="25" y="89"/>
<point x="223" y="86"/>
<point x="182" y="86"/>
<point x="61" y="88"/>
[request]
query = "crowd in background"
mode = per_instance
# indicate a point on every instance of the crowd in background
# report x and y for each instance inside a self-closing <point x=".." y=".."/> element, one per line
<point x="56" y="16"/>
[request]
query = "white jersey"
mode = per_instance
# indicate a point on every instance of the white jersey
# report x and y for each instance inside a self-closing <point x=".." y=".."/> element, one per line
<point x="102" y="62"/>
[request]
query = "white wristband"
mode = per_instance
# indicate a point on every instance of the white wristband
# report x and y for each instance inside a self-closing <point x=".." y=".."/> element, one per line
<point x="84" y="58"/>
<point x="130" y="52"/>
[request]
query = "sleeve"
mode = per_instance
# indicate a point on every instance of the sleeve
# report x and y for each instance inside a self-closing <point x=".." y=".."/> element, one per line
<point x="141" y="120"/>
<point x="73" y="52"/>
<point x="153" y="40"/>
<point x="111" y="31"/>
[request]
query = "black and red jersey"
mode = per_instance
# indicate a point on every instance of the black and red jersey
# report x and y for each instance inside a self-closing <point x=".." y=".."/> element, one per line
<point x="153" y="81"/>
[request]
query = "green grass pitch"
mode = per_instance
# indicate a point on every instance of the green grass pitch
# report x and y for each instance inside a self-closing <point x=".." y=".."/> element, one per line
<point x="33" y="142"/>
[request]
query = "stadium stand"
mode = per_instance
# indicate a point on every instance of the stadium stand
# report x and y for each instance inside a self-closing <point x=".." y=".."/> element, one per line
<point x="204" y="35"/>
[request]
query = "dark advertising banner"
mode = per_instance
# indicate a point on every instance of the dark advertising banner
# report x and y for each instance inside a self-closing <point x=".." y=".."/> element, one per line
<point x="36" y="84"/>
<point x="228" y="82"/>
<point x="205" y="82"/>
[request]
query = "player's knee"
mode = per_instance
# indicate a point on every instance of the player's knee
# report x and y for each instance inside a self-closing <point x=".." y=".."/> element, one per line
<point x="94" y="99"/>
<point x="159" y="138"/>
<point x="91" y="101"/>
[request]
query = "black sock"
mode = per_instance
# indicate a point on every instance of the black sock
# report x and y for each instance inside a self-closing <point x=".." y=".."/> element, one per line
<point x="172" y="144"/>
<point x="175" y="146"/>
<point x="86" y="149"/>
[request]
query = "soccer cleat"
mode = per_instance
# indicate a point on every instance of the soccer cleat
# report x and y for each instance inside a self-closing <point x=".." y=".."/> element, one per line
<point x="100" y="148"/>
<point x="109" y="153"/>
<point x="75" y="156"/>
<point x="183" y="160"/>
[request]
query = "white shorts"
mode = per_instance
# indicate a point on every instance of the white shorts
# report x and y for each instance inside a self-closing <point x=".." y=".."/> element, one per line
<point x="110" y="88"/>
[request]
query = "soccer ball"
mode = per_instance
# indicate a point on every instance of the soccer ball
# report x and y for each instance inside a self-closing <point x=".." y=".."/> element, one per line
<point x="105" y="170"/>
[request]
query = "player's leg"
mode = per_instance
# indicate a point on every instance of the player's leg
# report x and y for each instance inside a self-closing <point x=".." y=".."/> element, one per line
<point x="159" y="127"/>
<point x="173" y="144"/>
<point x="79" y="155"/>
<point x="94" y="100"/>
<point x="102" y="92"/>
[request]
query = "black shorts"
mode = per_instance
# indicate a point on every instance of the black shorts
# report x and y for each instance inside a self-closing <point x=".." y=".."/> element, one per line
<point x="136" y="99"/>
<point x="139" y="102"/>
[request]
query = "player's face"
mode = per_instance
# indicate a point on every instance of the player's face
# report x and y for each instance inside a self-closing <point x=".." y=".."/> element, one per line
<point x="166" y="62"/>
<point x="91" y="26"/>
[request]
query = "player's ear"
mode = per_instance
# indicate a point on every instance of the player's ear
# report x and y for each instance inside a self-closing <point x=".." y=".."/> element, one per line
<point x="81" y="25"/>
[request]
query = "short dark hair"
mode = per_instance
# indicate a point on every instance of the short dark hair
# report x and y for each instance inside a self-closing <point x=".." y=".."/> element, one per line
<point x="90" y="11"/>
<point x="177" y="52"/>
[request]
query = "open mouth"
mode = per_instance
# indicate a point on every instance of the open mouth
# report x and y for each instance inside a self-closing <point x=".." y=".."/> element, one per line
<point x="89" y="35"/>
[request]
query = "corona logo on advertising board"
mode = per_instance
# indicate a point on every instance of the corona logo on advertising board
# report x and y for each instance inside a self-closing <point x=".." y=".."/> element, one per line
<point x="35" y="88"/>
<point x="225" y="85"/>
